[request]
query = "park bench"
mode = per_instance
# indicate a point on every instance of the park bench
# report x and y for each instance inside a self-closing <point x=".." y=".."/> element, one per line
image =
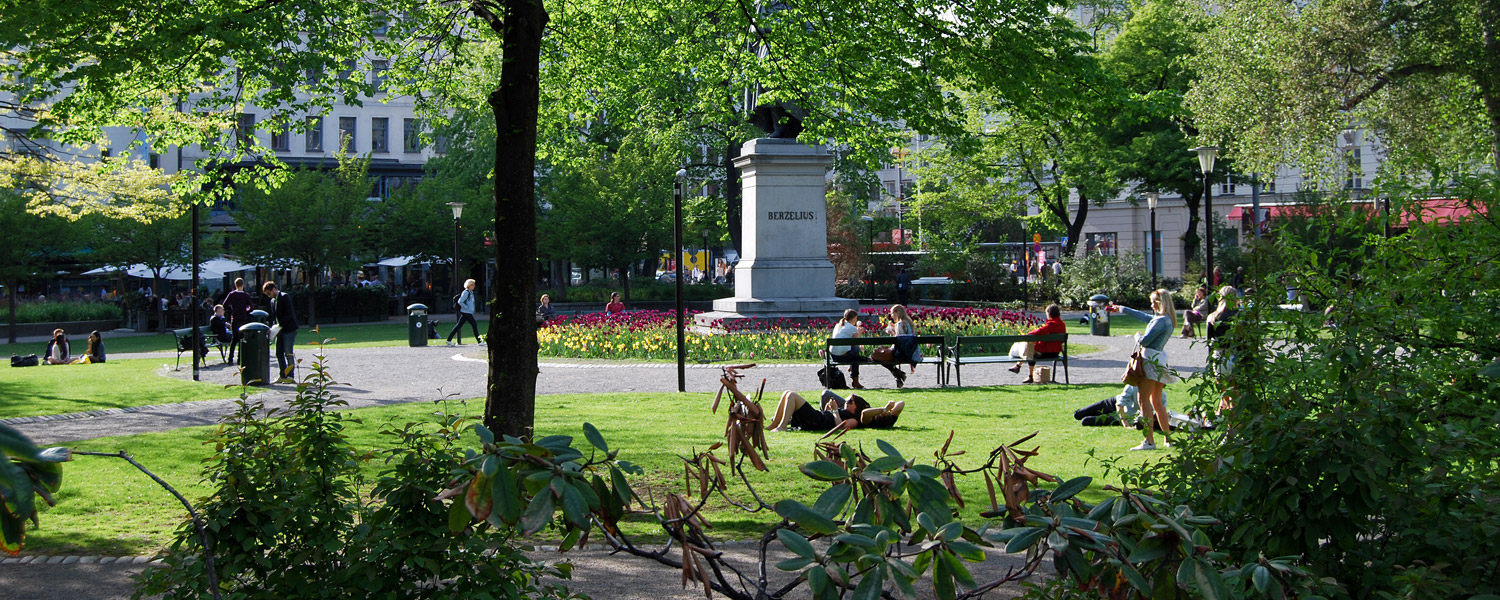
<point x="992" y="349"/>
<point x="930" y="355"/>
<point x="185" y="343"/>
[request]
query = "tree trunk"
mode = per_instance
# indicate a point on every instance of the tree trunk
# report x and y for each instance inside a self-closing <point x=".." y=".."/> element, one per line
<point x="510" y="405"/>
<point x="1191" y="239"/>
<point x="1075" y="227"/>
<point x="733" y="207"/>
<point x="1489" y="76"/>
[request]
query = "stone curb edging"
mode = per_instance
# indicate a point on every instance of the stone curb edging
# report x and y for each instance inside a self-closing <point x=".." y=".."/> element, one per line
<point x="79" y="560"/>
<point x="151" y="560"/>
<point x="97" y="413"/>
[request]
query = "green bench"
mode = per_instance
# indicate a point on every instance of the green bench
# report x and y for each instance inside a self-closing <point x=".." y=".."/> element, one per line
<point x="185" y="343"/>
<point x="995" y="349"/>
<point x="926" y="342"/>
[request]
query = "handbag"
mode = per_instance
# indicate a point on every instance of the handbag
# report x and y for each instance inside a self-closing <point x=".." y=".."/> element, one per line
<point x="883" y="354"/>
<point x="29" y="360"/>
<point x="1135" y="370"/>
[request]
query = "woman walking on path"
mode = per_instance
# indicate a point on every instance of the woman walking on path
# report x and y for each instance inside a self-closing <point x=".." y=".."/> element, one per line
<point x="1161" y="322"/>
<point x="465" y="314"/>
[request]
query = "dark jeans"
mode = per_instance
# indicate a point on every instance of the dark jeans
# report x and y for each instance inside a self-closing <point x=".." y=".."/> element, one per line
<point x="286" y="360"/>
<point x="234" y="342"/>
<point x="464" y="317"/>
<point x="854" y="359"/>
<point x="1098" y="414"/>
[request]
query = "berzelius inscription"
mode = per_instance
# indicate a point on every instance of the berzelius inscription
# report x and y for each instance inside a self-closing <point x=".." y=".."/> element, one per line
<point x="790" y="215"/>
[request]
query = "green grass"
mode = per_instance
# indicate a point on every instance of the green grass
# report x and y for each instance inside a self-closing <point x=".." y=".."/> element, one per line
<point x="108" y="508"/>
<point x="59" y="389"/>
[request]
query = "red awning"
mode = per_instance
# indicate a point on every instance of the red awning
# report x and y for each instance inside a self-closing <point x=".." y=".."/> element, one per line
<point x="1435" y="210"/>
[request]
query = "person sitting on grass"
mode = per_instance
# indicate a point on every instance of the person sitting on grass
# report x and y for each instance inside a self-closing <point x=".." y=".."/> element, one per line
<point x="95" y="351"/>
<point x="1122" y="409"/>
<point x="57" y="349"/>
<point x="837" y="416"/>
<point x="1034" y="350"/>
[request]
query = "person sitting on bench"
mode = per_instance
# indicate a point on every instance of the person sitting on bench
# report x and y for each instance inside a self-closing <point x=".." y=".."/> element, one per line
<point x="848" y="327"/>
<point x="1034" y="350"/>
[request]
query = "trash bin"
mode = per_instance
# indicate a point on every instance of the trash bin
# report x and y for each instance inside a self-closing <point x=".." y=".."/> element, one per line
<point x="255" y="354"/>
<point x="416" y="325"/>
<point x="260" y="316"/>
<point x="1098" y="316"/>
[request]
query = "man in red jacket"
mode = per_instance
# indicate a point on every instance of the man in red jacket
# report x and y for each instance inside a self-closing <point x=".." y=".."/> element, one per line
<point x="1035" y="350"/>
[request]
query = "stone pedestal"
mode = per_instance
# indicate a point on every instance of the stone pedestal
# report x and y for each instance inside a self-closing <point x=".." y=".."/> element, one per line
<point x="784" y="271"/>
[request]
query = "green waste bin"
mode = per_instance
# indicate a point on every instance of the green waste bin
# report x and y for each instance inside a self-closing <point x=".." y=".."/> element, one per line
<point x="255" y="354"/>
<point x="1098" y="315"/>
<point x="416" y="325"/>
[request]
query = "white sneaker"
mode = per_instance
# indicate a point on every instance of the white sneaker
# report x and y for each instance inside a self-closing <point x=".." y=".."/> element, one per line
<point x="450" y="342"/>
<point x="1145" y="446"/>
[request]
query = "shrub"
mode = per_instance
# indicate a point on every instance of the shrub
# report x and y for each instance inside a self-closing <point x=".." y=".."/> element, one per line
<point x="1368" y="446"/>
<point x="287" y="519"/>
<point x="62" y="312"/>
<point x="1123" y="278"/>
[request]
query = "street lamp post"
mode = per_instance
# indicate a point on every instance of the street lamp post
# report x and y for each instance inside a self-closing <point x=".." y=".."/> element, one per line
<point x="707" y="258"/>
<point x="458" y="212"/>
<point x="1151" y="200"/>
<point x="869" y="254"/>
<point x="1206" y="156"/>
<point x="677" y="184"/>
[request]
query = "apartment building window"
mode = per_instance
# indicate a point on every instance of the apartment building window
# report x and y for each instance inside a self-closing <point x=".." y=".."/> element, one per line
<point x="314" y="134"/>
<point x="411" y="135"/>
<point x="346" y="133"/>
<point x="1270" y="186"/>
<point x="1227" y="187"/>
<point x="1356" y="178"/>
<point x="281" y="140"/>
<point x="348" y="69"/>
<point x="1103" y="244"/>
<point x="379" y="134"/>
<point x="153" y="160"/>
<point x="440" y="144"/>
<point x="313" y="75"/>
<point x="378" y="71"/>
<point x="245" y="129"/>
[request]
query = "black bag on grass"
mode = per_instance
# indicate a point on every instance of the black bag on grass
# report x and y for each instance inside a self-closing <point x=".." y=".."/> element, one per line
<point x="24" y="361"/>
<point x="832" y="379"/>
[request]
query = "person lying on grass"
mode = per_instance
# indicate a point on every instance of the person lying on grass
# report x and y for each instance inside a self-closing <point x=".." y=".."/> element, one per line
<point x="838" y="415"/>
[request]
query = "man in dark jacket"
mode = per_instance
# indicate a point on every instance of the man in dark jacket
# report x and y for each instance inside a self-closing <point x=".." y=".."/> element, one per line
<point x="237" y="305"/>
<point x="285" y="330"/>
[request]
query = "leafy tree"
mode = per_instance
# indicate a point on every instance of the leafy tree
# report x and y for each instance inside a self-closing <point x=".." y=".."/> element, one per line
<point x="312" y="221"/>
<point x="31" y="241"/>
<point x="160" y="244"/>
<point x="1425" y="76"/>
<point x="613" y="201"/>
<point x="1151" y="61"/>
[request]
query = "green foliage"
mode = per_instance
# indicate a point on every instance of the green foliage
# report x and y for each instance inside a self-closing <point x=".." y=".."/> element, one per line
<point x="312" y="221"/>
<point x="25" y="471"/>
<point x="1363" y="440"/>
<point x="62" y="312"/>
<point x="598" y="291"/>
<point x="286" y="509"/>
<point x="1123" y="278"/>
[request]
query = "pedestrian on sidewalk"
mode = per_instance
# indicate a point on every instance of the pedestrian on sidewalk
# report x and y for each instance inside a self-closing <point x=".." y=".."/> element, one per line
<point x="465" y="314"/>
<point x="237" y="304"/>
<point x="285" y="331"/>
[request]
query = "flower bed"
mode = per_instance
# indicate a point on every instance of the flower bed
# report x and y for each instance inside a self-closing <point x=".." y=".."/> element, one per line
<point x="652" y="335"/>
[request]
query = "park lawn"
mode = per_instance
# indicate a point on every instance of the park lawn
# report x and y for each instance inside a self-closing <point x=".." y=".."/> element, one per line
<point x="108" y="508"/>
<point x="61" y="389"/>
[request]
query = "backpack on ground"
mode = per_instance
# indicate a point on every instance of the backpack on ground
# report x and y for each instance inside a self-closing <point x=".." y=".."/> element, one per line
<point x="30" y="360"/>
<point x="832" y="379"/>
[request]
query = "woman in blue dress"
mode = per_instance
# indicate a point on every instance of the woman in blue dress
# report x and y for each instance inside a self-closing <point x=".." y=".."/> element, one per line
<point x="1160" y="323"/>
